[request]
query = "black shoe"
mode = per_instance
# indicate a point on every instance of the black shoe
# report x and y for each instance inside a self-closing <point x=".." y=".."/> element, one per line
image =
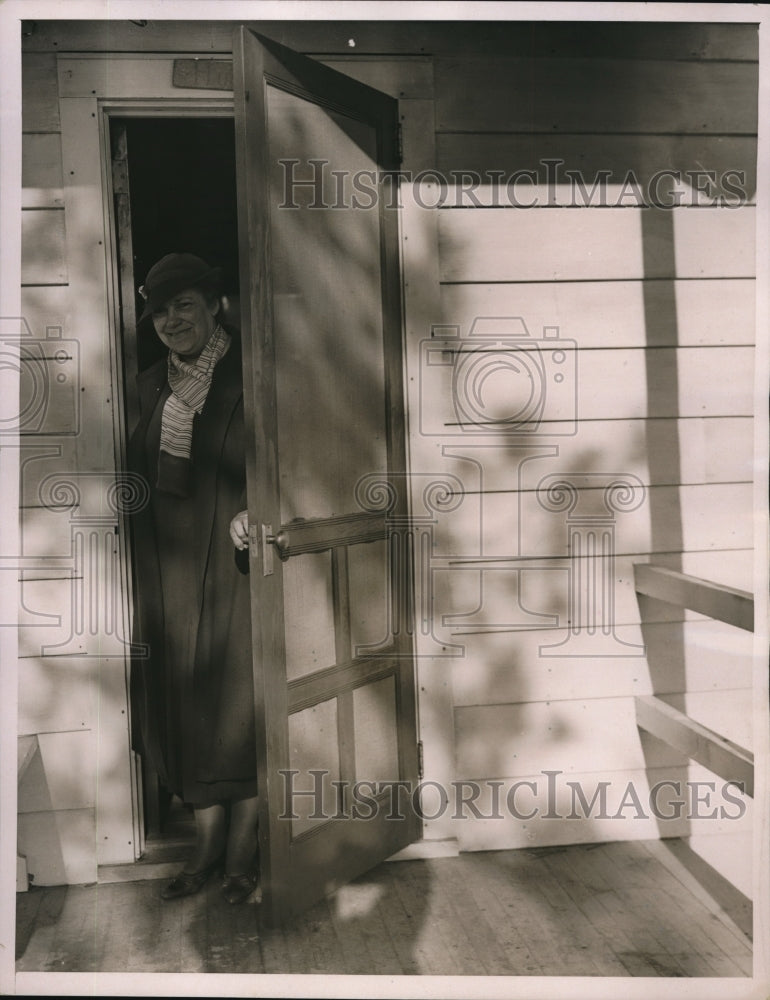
<point x="186" y="884"/>
<point x="238" y="888"/>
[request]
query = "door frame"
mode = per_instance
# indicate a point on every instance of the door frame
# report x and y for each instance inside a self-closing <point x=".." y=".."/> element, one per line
<point x="107" y="84"/>
<point x="93" y="88"/>
<point x="123" y="375"/>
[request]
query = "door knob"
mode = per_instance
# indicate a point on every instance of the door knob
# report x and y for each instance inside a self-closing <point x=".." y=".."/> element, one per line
<point x="280" y="541"/>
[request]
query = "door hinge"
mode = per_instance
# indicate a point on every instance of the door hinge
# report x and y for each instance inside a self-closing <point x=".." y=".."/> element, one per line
<point x="399" y="143"/>
<point x="420" y="761"/>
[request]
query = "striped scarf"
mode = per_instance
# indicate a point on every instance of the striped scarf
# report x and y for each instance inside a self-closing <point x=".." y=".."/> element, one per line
<point x="190" y="382"/>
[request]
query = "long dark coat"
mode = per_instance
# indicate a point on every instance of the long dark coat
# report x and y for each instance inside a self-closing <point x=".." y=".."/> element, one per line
<point x="217" y="718"/>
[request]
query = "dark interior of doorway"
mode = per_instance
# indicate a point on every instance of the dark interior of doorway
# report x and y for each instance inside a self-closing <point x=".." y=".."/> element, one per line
<point x="182" y="197"/>
<point x="181" y="175"/>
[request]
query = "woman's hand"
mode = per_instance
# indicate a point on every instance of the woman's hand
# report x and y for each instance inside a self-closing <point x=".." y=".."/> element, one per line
<point x="239" y="530"/>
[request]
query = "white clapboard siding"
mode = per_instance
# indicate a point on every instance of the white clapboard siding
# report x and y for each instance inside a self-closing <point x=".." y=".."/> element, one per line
<point x="46" y="306"/>
<point x="46" y="534"/>
<point x="585" y="735"/>
<point x="405" y="78"/>
<point x="526" y="192"/>
<point x="731" y="569"/>
<point x="601" y="384"/>
<point x="578" y="162"/>
<point x="50" y="390"/>
<point x="41" y="170"/>
<point x="708" y="313"/>
<point x="59" y="846"/>
<point x="504" y="830"/>
<point x="544" y="584"/>
<point x="703" y="657"/>
<point x="56" y="694"/>
<point x="45" y="618"/>
<point x="484" y="596"/>
<point x="560" y="244"/>
<point x="659" y="452"/>
<point x="78" y="612"/>
<point x="668" y="519"/>
<point x="51" y="480"/>
<point x="634" y="389"/>
<point x="43" y="255"/>
<point x="40" y="99"/>
<point x="149" y="78"/>
<point x="647" y="40"/>
<point x="595" y="95"/>
<point x="62" y="775"/>
<point x="45" y="464"/>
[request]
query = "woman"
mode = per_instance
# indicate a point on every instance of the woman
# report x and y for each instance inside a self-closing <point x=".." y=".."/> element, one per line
<point x="192" y="694"/>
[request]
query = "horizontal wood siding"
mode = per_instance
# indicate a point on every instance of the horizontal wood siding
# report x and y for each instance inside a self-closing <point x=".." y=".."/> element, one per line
<point x="43" y="247"/>
<point x="643" y="40"/>
<point x="58" y="694"/>
<point x="473" y="596"/>
<point x="714" y="825"/>
<point x="499" y="671"/>
<point x="654" y="162"/>
<point x="504" y="245"/>
<point x="607" y="96"/>
<point x="599" y="313"/>
<point x="41" y="170"/>
<point x="658" y="306"/>
<point x="653" y="306"/>
<point x="40" y="94"/>
<point x="714" y="449"/>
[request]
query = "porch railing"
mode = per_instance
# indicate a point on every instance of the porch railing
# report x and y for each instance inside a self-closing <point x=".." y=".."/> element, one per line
<point x="735" y="607"/>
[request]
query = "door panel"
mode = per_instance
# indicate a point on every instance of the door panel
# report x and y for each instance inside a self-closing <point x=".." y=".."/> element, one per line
<point x="329" y="351"/>
<point x="368" y="575"/>
<point x="313" y="747"/>
<point x="375" y="731"/>
<point x="334" y="684"/>
<point x="308" y="608"/>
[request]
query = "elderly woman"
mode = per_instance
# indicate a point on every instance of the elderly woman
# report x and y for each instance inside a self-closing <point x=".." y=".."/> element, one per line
<point x="192" y="694"/>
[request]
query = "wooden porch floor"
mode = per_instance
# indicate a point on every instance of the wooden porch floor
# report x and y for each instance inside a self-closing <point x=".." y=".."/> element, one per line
<point x="620" y="909"/>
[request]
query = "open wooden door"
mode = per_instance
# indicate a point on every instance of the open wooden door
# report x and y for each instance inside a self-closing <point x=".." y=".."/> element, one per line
<point x="330" y="564"/>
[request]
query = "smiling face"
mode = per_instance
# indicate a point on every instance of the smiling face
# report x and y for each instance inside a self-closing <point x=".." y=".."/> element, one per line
<point x="185" y="322"/>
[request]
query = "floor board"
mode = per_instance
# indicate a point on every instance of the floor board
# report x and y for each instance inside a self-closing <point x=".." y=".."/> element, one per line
<point x="621" y="909"/>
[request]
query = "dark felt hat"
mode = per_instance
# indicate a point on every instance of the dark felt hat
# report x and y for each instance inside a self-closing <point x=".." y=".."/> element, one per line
<point x="171" y="275"/>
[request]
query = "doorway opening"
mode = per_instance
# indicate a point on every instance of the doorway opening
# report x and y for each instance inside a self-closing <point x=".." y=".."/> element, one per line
<point x="174" y="191"/>
<point x="181" y="192"/>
